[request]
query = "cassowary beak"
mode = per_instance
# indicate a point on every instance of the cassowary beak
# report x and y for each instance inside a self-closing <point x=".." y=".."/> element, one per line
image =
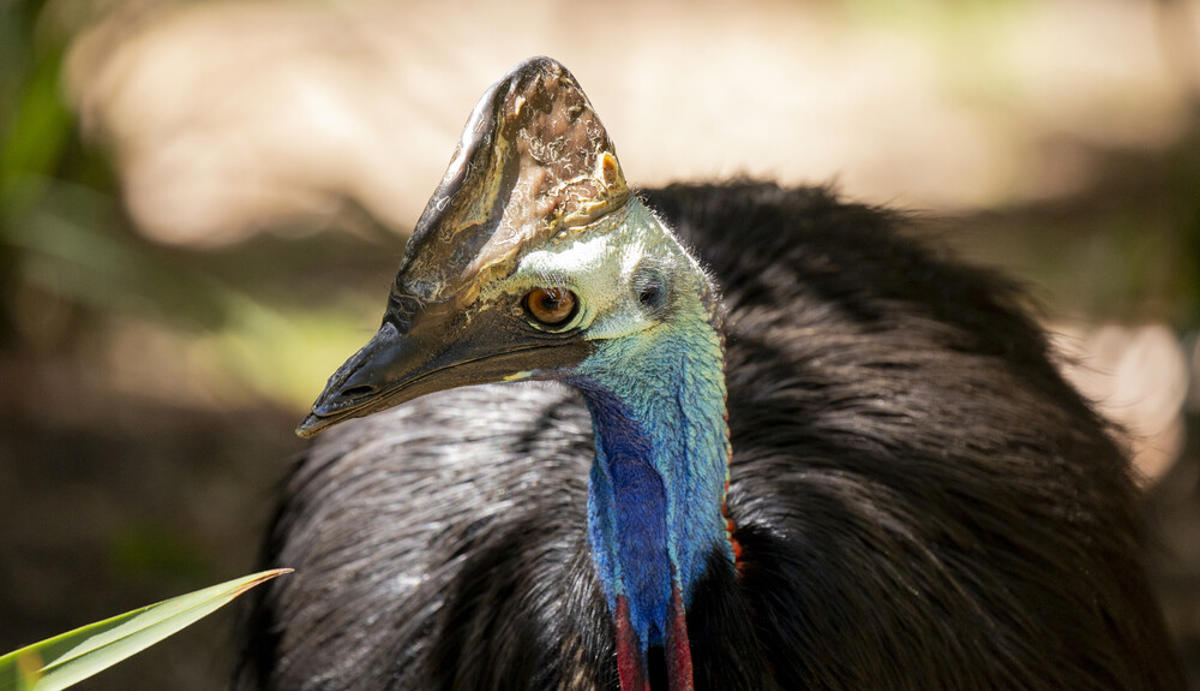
<point x="442" y="350"/>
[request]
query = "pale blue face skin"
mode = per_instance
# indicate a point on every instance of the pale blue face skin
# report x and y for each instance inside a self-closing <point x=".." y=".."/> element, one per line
<point x="604" y="265"/>
<point x="656" y="389"/>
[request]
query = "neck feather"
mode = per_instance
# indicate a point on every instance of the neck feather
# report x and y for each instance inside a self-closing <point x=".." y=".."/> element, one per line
<point x="657" y="489"/>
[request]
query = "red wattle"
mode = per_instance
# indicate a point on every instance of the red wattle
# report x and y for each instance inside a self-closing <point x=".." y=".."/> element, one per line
<point x="630" y="666"/>
<point x="678" y="648"/>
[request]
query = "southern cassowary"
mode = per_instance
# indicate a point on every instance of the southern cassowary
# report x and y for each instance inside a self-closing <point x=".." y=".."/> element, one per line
<point x="780" y="447"/>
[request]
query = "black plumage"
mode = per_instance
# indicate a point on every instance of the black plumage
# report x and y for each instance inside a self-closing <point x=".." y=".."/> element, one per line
<point x="922" y="502"/>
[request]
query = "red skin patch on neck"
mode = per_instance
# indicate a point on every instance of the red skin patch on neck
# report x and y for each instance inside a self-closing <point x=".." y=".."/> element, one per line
<point x="678" y="648"/>
<point x="730" y="528"/>
<point x="630" y="666"/>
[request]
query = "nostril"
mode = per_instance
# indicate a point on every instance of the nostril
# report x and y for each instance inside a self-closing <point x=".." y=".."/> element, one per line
<point x="356" y="391"/>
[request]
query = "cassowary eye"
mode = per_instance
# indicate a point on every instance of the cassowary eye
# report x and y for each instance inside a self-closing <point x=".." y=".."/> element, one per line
<point x="550" y="306"/>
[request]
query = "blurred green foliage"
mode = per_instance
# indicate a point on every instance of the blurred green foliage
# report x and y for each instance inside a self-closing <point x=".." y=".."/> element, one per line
<point x="60" y="223"/>
<point x="65" y="236"/>
<point x="148" y="550"/>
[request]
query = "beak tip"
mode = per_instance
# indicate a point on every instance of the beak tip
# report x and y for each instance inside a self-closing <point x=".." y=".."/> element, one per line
<point x="310" y="426"/>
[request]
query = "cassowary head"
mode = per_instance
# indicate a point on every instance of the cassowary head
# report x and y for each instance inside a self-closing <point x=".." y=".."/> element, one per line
<point x="531" y="258"/>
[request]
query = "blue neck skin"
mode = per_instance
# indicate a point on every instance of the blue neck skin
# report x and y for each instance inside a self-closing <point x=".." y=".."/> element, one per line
<point x="662" y="461"/>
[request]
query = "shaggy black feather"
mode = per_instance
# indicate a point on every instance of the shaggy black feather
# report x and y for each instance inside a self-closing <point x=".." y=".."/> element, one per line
<point x="922" y="502"/>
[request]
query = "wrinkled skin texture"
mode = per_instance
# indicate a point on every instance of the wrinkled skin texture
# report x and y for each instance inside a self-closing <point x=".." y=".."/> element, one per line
<point x="921" y="501"/>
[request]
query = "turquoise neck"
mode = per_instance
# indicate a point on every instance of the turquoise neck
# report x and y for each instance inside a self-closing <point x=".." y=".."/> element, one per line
<point x="657" y="490"/>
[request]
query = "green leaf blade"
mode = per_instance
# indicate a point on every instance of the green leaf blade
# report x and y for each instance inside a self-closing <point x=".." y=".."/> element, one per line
<point x="76" y="655"/>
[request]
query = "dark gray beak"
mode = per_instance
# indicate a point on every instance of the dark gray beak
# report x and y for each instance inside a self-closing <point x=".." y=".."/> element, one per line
<point x="443" y="349"/>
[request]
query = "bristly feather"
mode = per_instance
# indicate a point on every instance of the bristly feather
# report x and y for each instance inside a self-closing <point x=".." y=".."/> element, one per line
<point x="920" y="500"/>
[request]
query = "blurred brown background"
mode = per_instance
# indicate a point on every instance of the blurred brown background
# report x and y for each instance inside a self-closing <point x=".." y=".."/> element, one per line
<point x="202" y="204"/>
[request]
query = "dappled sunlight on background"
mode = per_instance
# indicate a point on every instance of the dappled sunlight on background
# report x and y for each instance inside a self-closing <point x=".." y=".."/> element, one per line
<point x="1137" y="375"/>
<point x="228" y="117"/>
<point x="202" y="205"/>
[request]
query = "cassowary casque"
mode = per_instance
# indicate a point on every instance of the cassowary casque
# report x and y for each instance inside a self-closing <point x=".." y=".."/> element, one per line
<point x="763" y="442"/>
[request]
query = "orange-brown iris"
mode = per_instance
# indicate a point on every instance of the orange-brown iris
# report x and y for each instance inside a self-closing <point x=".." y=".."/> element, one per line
<point x="550" y="306"/>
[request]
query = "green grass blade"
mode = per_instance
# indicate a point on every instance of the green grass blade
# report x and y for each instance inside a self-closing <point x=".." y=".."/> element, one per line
<point x="68" y="658"/>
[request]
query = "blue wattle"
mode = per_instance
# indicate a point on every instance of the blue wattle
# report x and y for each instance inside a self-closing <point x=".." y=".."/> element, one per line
<point x="629" y="502"/>
<point x="658" y="481"/>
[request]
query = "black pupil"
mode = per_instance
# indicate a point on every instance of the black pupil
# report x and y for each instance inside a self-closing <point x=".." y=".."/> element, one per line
<point x="551" y="305"/>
